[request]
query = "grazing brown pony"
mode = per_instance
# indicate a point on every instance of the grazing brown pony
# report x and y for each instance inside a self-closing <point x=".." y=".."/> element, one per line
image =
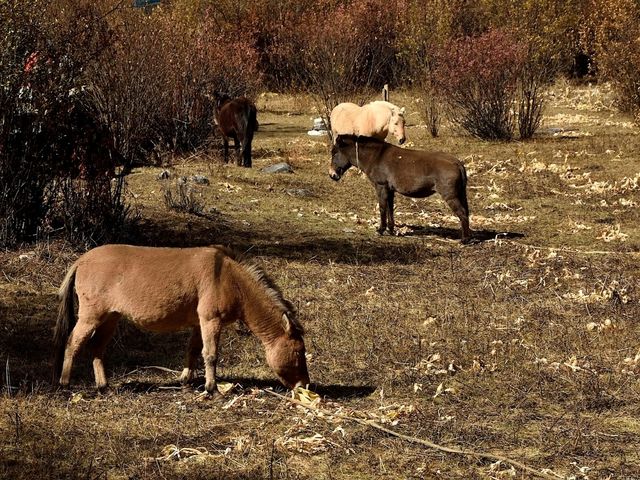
<point x="411" y="173"/>
<point x="237" y="119"/>
<point x="166" y="289"/>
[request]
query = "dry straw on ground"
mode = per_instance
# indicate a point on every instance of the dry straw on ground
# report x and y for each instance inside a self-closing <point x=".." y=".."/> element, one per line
<point x="525" y="344"/>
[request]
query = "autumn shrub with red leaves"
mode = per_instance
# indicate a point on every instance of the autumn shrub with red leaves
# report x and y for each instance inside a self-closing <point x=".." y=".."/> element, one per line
<point x="478" y="78"/>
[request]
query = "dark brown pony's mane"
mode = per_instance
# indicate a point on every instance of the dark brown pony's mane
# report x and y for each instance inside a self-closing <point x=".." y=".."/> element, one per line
<point x="359" y="139"/>
<point x="274" y="293"/>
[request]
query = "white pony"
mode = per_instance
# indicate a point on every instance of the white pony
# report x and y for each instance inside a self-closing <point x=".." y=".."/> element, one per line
<point x="376" y="119"/>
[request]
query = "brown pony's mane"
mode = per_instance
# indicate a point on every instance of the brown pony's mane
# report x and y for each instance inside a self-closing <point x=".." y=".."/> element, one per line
<point x="274" y="293"/>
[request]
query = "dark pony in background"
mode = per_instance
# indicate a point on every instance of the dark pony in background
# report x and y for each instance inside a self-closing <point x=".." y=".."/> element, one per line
<point x="237" y="119"/>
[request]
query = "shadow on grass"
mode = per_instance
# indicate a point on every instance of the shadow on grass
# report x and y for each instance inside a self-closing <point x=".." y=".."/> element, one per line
<point x="327" y="391"/>
<point x="193" y="231"/>
<point x="477" y="236"/>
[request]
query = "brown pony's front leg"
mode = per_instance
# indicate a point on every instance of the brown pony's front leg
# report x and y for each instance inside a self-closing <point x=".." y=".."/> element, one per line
<point x="383" y="198"/>
<point x="210" y="328"/>
<point x="193" y="351"/>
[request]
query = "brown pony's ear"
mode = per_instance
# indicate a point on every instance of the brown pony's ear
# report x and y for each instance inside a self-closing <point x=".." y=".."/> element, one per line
<point x="287" y="323"/>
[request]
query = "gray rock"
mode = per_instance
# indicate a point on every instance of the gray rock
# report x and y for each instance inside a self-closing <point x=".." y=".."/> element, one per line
<point x="282" y="167"/>
<point x="200" y="179"/>
<point x="299" y="192"/>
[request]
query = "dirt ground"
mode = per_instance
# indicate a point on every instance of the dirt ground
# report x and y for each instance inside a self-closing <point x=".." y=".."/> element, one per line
<point x="525" y="344"/>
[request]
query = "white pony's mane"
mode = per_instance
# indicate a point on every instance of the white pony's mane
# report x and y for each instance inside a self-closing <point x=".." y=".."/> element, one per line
<point x="389" y="105"/>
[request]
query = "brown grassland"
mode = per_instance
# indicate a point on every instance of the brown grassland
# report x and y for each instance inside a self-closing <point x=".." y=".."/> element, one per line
<point x="525" y="344"/>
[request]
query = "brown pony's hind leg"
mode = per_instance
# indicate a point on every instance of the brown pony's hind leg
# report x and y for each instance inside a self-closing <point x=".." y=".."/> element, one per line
<point x="210" y="328"/>
<point x="98" y="345"/>
<point x="194" y="349"/>
<point x="86" y="325"/>
<point x="462" y="212"/>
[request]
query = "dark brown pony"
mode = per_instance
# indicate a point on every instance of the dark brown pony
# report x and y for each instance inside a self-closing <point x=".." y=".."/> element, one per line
<point x="167" y="289"/>
<point x="412" y="173"/>
<point x="237" y="119"/>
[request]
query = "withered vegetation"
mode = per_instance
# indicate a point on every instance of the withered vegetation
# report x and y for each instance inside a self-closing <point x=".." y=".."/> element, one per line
<point x="524" y="344"/>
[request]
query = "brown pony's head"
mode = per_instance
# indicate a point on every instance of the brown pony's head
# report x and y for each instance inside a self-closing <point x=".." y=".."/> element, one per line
<point x="396" y="124"/>
<point x="286" y="355"/>
<point x="340" y="162"/>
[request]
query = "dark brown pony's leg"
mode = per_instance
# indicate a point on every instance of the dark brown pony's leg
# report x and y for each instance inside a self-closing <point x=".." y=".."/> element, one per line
<point x="210" y="328"/>
<point x="225" y="141"/>
<point x="236" y="146"/>
<point x="461" y="210"/>
<point x="392" y="223"/>
<point x="383" y="196"/>
<point x="194" y="349"/>
<point x="98" y="345"/>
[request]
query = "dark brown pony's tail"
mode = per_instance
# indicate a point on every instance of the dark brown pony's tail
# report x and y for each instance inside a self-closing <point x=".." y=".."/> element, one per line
<point x="463" y="193"/>
<point x="251" y="125"/>
<point x="66" y="321"/>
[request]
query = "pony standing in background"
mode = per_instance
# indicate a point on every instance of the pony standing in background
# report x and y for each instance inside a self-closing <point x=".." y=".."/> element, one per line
<point x="376" y="119"/>
<point x="237" y="119"/>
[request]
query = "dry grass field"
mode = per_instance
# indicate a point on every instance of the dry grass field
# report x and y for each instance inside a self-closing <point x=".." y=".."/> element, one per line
<point x="525" y="344"/>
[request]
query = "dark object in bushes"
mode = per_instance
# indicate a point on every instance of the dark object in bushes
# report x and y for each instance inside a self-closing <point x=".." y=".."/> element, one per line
<point x="237" y="119"/>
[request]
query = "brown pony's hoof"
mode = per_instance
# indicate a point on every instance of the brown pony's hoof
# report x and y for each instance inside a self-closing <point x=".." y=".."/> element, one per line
<point x="103" y="389"/>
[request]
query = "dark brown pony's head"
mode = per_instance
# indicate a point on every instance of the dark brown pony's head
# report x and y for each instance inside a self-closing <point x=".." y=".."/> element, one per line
<point x="340" y="161"/>
<point x="220" y="99"/>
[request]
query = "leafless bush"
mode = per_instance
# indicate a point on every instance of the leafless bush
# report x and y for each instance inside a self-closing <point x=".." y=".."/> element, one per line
<point x="478" y="77"/>
<point x="182" y="198"/>
<point x="154" y="90"/>
<point x="344" y="51"/>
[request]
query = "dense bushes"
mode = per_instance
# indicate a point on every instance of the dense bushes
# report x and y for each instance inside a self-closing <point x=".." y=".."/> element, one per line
<point x="87" y="89"/>
<point x="613" y="33"/>
<point x="55" y="161"/>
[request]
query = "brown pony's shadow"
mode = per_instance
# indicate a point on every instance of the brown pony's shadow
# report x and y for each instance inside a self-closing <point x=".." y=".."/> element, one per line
<point x="477" y="236"/>
<point x="331" y="391"/>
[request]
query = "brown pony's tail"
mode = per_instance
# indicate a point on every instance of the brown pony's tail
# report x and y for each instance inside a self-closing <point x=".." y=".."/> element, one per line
<point x="66" y="321"/>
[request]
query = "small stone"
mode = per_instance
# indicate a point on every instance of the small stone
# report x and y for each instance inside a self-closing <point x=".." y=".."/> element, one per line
<point x="282" y="167"/>
<point x="200" y="180"/>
